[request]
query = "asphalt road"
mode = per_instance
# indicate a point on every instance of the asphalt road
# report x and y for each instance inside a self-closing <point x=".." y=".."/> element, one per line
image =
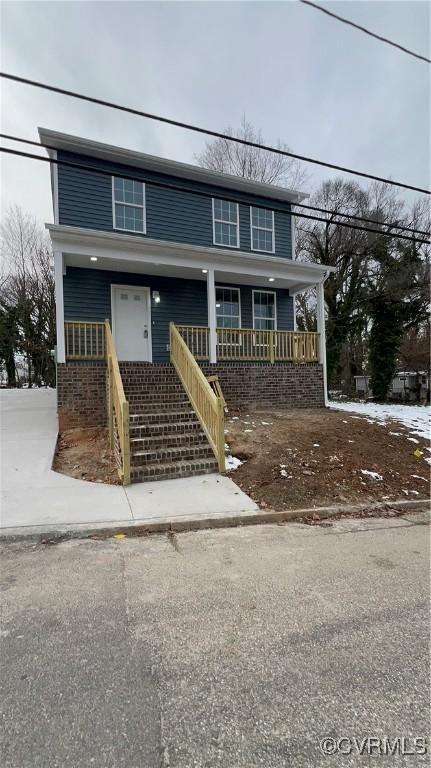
<point x="234" y="648"/>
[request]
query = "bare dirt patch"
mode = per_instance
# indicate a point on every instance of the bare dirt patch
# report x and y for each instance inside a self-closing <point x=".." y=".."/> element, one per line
<point x="85" y="454"/>
<point x="316" y="457"/>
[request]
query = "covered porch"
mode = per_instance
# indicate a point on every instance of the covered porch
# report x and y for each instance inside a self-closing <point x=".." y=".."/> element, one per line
<point x="228" y="305"/>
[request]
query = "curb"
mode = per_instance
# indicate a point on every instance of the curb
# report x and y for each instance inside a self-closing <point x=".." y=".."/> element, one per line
<point x="56" y="534"/>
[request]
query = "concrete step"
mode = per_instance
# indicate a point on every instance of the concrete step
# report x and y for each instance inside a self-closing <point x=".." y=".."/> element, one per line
<point x="171" y="470"/>
<point x="171" y="455"/>
<point x="166" y="440"/>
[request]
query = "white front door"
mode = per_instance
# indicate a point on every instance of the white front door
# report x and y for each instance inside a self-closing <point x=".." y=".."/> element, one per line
<point x="131" y="322"/>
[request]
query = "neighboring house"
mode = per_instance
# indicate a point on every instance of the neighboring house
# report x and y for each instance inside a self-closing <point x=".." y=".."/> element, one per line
<point x="406" y="385"/>
<point x="193" y="270"/>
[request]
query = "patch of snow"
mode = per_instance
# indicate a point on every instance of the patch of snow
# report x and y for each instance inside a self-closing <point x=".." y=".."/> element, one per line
<point x="232" y="463"/>
<point x="428" y="460"/>
<point x="415" y="417"/>
<point x="413" y="440"/>
<point x="283" y="473"/>
<point x="396" y="434"/>
<point x="248" y="430"/>
<point x="266" y="423"/>
<point x="374" y="475"/>
<point x="419" y="477"/>
<point x="350" y="441"/>
<point x="316" y="445"/>
<point x="235" y="418"/>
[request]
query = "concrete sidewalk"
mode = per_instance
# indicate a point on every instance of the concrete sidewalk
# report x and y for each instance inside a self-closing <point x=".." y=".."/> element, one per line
<point x="34" y="496"/>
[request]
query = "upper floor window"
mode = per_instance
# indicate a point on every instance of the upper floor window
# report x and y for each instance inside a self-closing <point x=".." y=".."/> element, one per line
<point x="262" y="230"/>
<point x="128" y="205"/>
<point x="225" y="223"/>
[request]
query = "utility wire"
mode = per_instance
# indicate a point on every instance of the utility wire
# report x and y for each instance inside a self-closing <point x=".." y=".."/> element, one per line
<point x="178" y="188"/>
<point x="207" y="131"/>
<point x="367" y="31"/>
<point x="390" y="225"/>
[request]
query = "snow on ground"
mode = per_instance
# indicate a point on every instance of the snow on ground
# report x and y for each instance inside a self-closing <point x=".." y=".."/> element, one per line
<point x="415" y="417"/>
<point x="232" y="463"/>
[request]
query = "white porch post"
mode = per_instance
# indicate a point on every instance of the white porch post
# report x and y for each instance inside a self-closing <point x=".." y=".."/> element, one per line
<point x="320" y="313"/>
<point x="59" y="306"/>
<point x="212" y="321"/>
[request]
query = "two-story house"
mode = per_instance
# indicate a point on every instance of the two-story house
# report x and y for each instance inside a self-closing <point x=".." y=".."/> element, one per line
<point x="167" y="274"/>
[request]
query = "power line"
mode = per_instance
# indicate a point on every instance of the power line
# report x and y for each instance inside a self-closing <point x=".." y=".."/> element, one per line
<point x="207" y="131"/>
<point x="178" y="188"/>
<point x="391" y="225"/>
<point x="367" y="31"/>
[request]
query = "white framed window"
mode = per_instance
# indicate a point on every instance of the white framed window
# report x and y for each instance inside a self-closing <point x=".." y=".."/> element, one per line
<point x="262" y="230"/>
<point x="225" y="223"/>
<point x="128" y="205"/>
<point x="228" y="307"/>
<point x="264" y="311"/>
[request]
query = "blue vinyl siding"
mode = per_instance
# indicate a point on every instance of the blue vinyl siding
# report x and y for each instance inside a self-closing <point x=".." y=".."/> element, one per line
<point x="85" y="200"/>
<point x="87" y="296"/>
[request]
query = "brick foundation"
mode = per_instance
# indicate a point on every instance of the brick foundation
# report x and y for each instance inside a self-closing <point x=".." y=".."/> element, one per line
<point x="262" y="385"/>
<point x="81" y="394"/>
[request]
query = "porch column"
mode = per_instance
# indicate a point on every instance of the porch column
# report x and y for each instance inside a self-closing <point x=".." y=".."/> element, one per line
<point x="59" y="306"/>
<point x="320" y="313"/>
<point x="212" y="321"/>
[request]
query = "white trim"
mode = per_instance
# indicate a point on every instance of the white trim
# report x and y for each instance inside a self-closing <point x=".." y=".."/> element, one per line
<point x="148" y="295"/>
<point x="123" y="247"/>
<point x="274" y="293"/>
<point x="224" y="221"/>
<point x="54" y="186"/>
<point x="320" y="316"/>
<point x="143" y="207"/>
<point x="129" y="157"/>
<point x="265" y="229"/>
<point x="59" y="306"/>
<point x="231" y="288"/>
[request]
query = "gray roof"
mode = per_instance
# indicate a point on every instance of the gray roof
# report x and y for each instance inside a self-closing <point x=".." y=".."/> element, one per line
<point x="103" y="151"/>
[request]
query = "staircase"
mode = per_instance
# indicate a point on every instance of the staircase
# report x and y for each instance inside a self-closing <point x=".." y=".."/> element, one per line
<point x="166" y="438"/>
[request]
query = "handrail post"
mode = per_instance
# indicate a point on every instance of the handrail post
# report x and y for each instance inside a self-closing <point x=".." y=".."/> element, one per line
<point x="109" y="404"/>
<point x="220" y="435"/>
<point x="126" y="444"/>
<point x="271" y="347"/>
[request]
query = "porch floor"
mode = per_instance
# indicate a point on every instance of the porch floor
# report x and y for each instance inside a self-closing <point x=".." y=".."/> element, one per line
<point x="36" y="499"/>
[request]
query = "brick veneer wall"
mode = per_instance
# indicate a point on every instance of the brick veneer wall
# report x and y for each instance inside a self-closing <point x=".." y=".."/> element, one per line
<point x="262" y="385"/>
<point x="81" y="394"/>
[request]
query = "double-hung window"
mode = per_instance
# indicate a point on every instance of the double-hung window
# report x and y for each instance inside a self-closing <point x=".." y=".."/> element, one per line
<point x="264" y="311"/>
<point x="225" y="223"/>
<point x="128" y="205"/>
<point x="228" y="308"/>
<point x="262" y="230"/>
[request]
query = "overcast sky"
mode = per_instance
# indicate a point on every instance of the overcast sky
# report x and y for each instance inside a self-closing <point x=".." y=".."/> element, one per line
<point x="327" y="90"/>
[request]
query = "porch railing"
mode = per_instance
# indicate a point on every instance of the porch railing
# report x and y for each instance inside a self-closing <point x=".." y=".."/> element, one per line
<point x="118" y="409"/>
<point x="208" y="406"/>
<point x="84" y="340"/>
<point x="250" y="344"/>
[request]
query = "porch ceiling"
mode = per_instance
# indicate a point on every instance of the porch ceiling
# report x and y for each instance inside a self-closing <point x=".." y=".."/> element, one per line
<point x="129" y="253"/>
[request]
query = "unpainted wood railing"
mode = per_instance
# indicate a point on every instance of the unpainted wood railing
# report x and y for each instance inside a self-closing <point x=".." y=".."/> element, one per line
<point x="84" y="340"/>
<point x="118" y="409"/>
<point x="208" y="406"/>
<point x="251" y="344"/>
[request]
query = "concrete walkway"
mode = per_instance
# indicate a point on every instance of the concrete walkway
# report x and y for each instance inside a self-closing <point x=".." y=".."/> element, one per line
<point x="33" y="495"/>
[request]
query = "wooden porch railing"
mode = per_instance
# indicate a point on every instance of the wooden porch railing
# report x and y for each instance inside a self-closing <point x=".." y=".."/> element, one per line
<point x="118" y="408"/>
<point x="250" y="344"/>
<point x="208" y="406"/>
<point x="84" y="340"/>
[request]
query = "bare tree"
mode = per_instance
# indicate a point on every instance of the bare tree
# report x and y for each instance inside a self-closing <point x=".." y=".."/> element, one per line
<point x="27" y="303"/>
<point x="250" y="162"/>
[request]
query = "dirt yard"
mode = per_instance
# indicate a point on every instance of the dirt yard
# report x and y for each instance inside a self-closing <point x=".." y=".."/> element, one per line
<point x="306" y="458"/>
<point x="85" y="454"/>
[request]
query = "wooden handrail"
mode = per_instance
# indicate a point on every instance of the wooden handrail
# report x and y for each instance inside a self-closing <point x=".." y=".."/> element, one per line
<point x="208" y="407"/>
<point x="118" y="407"/>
